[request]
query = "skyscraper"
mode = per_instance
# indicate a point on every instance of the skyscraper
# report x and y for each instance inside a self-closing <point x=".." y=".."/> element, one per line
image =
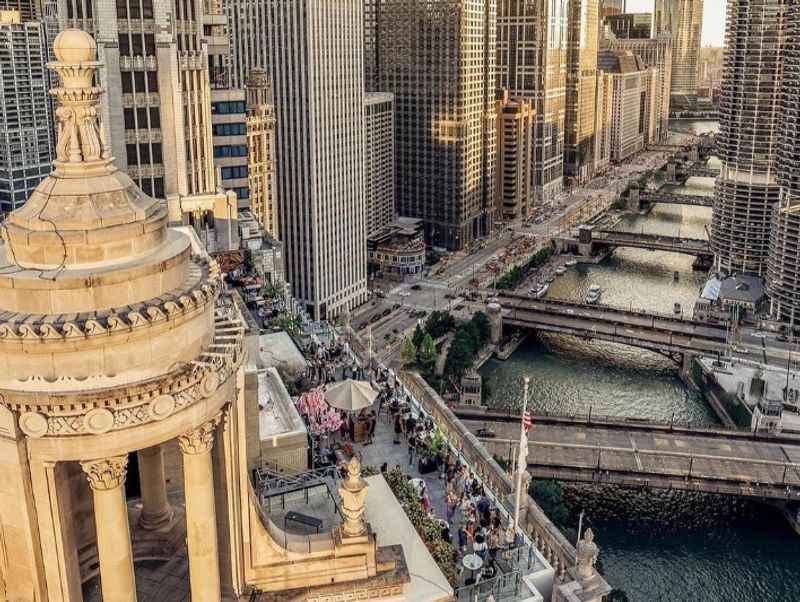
<point x="260" y="125"/>
<point x="247" y="30"/>
<point x="379" y="155"/>
<point x="747" y="143"/>
<point x="438" y="60"/>
<point x="315" y="49"/>
<point x="655" y="52"/>
<point x="683" y="19"/>
<point x="581" y="89"/>
<point x="611" y="7"/>
<point x="515" y="147"/>
<point x="26" y="147"/>
<point x="783" y="268"/>
<point x="532" y="64"/>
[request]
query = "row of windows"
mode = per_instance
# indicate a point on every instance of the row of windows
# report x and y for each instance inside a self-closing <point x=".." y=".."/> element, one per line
<point x="134" y="9"/>
<point x="147" y="153"/>
<point x="137" y="44"/>
<point x="230" y="107"/>
<point x="230" y="150"/>
<point x="242" y="192"/>
<point x="233" y="172"/>
<point x="229" y="129"/>
<point x="142" y="118"/>
<point x="135" y="80"/>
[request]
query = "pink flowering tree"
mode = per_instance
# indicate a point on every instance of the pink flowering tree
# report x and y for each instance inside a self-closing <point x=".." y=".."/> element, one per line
<point x="322" y="419"/>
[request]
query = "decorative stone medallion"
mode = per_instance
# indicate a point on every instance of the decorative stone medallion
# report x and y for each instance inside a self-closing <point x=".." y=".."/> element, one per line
<point x="33" y="424"/>
<point x="98" y="421"/>
<point x="162" y="406"/>
<point x="210" y="383"/>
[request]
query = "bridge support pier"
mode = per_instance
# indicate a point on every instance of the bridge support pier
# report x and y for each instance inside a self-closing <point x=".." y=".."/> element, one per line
<point x="495" y="314"/>
<point x="633" y="204"/>
<point x="686" y="366"/>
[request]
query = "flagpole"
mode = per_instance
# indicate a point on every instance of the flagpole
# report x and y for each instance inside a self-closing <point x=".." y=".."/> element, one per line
<point x="521" y="465"/>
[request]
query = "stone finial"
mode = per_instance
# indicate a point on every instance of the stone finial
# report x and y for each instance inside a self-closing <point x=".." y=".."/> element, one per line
<point x="354" y="492"/>
<point x="107" y="473"/>
<point x="81" y="145"/>
<point x="586" y="553"/>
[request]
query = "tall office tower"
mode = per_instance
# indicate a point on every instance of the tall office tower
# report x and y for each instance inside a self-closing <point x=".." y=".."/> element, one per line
<point x="516" y="123"/>
<point x="627" y="76"/>
<point x="260" y="124"/>
<point x="579" y="131"/>
<point x="26" y="146"/>
<point x="379" y="156"/>
<point x="683" y="19"/>
<point x="229" y="139"/>
<point x="247" y="21"/>
<point x="604" y="112"/>
<point x="747" y="142"/>
<point x="655" y="52"/>
<point x="315" y="49"/>
<point x="611" y="7"/>
<point x="372" y="11"/>
<point x="438" y="60"/>
<point x="783" y="267"/>
<point x="532" y="64"/>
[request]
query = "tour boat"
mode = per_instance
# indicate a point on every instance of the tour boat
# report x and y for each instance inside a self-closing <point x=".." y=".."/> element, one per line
<point x="561" y="270"/>
<point x="571" y="263"/>
<point x="541" y="291"/>
<point x="593" y="294"/>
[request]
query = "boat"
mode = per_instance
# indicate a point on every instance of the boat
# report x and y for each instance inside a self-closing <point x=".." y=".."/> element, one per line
<point x="593" y="294"/>
<point x="561" y="270"/>
<point x="541" y="291"/>
<point x="550" y="278"/>
<point x="571" y="263"/>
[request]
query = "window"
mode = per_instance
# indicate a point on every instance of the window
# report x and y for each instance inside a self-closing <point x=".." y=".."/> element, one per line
<point x="229" y="129"/>
<point x="230" y="150"/>
<point x="228" y="107"/>
<point x="232" y="173"/>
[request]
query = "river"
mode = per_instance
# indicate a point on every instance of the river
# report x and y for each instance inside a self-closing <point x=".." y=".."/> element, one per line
<point x="655" y="546"/>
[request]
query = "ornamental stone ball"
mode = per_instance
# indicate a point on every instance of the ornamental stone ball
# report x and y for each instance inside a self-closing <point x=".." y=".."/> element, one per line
<point x="74" y="46"/>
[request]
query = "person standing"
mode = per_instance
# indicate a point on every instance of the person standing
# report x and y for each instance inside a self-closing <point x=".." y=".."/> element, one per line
<point x="412" y="444"/>
<point x="398" y="428"/>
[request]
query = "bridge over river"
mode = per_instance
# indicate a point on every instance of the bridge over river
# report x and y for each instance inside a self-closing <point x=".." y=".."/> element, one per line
<point x="646" y="455"/>
<point x="665" y="334"/>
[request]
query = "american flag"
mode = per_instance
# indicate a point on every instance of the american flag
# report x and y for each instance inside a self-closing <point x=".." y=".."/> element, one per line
<point x="527" y="423"/>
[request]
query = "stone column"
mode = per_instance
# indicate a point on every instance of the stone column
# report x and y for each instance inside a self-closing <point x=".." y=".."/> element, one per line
<point x="107" y="480"/>
<point x="201" y="521"/>
<point x="156" y="511"/>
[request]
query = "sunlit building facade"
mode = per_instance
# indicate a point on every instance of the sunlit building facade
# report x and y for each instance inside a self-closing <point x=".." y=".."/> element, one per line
<point x="683" y="19"/>
<point x="438" y="60"/>
<point x="532" y="64"/>
<point x="579" y="126"/>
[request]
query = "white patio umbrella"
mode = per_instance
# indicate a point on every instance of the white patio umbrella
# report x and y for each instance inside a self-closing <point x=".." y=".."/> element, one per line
<point x="350" y="395"/>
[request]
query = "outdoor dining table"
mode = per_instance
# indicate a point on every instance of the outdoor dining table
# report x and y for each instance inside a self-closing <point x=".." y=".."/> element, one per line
<point x="473" y="562"/>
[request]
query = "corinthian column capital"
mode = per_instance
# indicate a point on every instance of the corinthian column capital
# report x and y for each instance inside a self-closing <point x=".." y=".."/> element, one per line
<point x="107" y="473"/>
<point x="201" y="439"/>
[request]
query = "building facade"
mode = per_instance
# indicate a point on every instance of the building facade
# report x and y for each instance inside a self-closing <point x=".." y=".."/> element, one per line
<point x="603" y="120"/>
<point x="611" y="7"/>
<point x="783" y="267"/>
<point x="229" y="140"/>
<point x="247" y="29"/>
<point x="260" y="125"/>
<point x="747" y="143"/>
<point x="532" y="64"/>
<point x="379" y="156"/>
<point x="438" y="60"/>
<point x="628" y="80"/>
<point x="516" y="124"/>
<point x="579" y="126"/>
<point x="630" y="25"/>
<point x="26" y="145"/>
<point x="315" y="49"/>
<point x="683" y="20"/>
<point x="655" y="52"/>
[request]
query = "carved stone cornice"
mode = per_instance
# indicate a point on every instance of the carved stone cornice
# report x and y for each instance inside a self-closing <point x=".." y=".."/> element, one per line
<point x="22" y="327"/>
<point x="101" y="411"/>
<point x="201" y="439"/>
<point x="107" y="473"/>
